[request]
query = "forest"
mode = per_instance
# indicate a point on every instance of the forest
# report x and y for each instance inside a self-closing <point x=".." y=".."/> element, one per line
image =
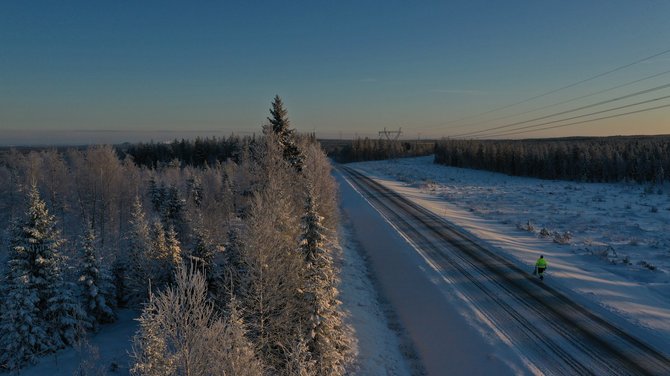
<point x="226" y="246"/>
<point x="642" y="159"/>
<point x="366" y="149"/>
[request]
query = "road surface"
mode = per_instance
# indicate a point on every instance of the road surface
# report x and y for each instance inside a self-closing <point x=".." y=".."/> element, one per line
<point x="550" y="333"/>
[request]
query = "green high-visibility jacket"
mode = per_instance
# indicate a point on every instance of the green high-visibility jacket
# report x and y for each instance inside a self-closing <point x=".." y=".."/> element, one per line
<point x="541" y="263"/>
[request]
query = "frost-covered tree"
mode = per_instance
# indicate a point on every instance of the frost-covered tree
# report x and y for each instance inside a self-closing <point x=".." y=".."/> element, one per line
<point x="173" y="257"/>
<point x="233" y="269"/>
<point x="325" y="333"/>
<point x="299" y="360"/>
<point x="235" y="351"/>
<point x="37" y="296"/>
<point x="203" y="254"/>
<point x="280" y="126"/>
<point x="137" y="264"/>
<point x="271" y="275"/>
<point x="98" y="290"/>
<point x="181" y="334"/>
<point x="65" y="314"/>
<point x="23" y="332"/>
<point x="158" y="258"/>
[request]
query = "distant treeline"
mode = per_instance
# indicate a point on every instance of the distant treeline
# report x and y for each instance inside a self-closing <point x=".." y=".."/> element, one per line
<point x="370" y="150"/>
<point x="607" y="159"/>
<point x="197" y="153"/>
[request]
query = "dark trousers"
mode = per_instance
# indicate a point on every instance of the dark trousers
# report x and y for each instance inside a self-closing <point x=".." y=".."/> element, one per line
<point x="540" y="270"/>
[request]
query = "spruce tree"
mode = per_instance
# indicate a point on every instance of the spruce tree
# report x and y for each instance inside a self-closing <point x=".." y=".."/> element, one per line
<point x="42" y="314"/>
<point x="23" y="332"/>
<point x="325" y="333"/>
<point x="203" y="254"/>
<point x="285" y="135"/>
<point x="137" y="264"/>
<point x="237" y="353"/>
<point x="98" y="290"/>
<point x="159" y="257"/>
<point x="173" y="257"/>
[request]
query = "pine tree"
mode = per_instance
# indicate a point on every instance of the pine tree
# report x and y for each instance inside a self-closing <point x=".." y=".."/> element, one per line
<point x="99" y="294"/>
<point x="325" y="332"/>
<point x="285" y="135"/>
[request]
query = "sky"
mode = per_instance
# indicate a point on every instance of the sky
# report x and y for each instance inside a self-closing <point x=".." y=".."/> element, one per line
<point x="114" y="71"/>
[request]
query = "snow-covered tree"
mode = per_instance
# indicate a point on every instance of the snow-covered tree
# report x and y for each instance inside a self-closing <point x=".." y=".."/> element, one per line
<point x="181" y="334"/>
<point x="235" y="351"/>
<point x="37" y="296"/>
<point x="98" y="290"/>
<point x="23" y="332"/>
<point x="203" y="254"/>
<point x="271" y="275"/>
<point x="280" y="126"/>
<point x="159" y="257"/>
<point x="173" y="256"/>
<point x="233" y="268"/>
<point x="65" y="314"/>
<point x="299" y="360"/>
<point x="325" y="333"/>
<point x="137" y="264"/>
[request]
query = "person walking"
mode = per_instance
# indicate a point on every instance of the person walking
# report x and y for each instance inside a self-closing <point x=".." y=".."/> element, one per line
<point x="541" y="266"/>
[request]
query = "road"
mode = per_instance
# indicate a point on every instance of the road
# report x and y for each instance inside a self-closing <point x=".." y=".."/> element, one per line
<point x="555" y="335"/>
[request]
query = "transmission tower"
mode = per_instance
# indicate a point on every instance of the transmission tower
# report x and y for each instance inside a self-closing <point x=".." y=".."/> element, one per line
<point x="390" y="135"/>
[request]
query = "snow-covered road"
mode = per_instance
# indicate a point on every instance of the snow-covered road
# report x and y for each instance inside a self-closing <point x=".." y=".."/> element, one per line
<point x="470" y="311"/>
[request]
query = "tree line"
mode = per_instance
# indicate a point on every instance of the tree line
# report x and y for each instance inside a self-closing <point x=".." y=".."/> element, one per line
<point x="231" y="261"/>
<point x="366" y="149"/>
<point x="607" y="159"/>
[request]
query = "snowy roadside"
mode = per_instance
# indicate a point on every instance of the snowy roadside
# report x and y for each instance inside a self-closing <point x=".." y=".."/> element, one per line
<point x="377" y="347"/>
<point x="615" y="259"/>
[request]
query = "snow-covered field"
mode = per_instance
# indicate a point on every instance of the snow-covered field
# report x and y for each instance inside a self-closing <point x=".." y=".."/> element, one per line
<point x="608" y="245"/>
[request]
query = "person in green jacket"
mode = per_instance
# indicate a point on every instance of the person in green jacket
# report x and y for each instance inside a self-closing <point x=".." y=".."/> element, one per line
<point x="541" y="266"/>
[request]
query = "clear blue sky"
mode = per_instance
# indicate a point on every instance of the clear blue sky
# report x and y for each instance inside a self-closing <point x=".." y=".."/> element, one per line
<point x="100" y="71"/>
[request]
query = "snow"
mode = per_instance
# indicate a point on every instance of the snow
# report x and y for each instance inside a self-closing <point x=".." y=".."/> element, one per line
<point x="377" y="347"/>
<point x="406" y="321"/>
<point x="435" y="337"/>
<point x="616" y="262"/>
<point x="105" y="352"/>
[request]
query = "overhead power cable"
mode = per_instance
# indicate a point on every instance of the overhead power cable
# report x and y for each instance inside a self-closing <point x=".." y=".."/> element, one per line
<point x="564" y="87"/>
<point x="572" y="99"/>
<point x="641" y="92"/>
<point x="586" y="115"/>
<point x="584" y="121"/>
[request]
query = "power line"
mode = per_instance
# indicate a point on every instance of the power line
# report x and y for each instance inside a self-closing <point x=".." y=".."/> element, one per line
<point x="573" y="99"/>
<point x="589" y="114"/>
<point x="646" y="91"/>
<point x="585" y="121"/>
<point x="565" y="87"/>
